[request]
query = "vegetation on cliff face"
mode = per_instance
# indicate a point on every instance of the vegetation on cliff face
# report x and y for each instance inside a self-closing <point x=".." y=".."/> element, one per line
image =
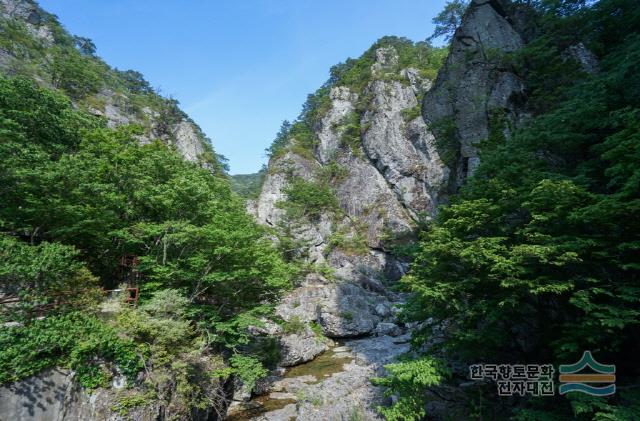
<point x="355" y="74"/>
<point x="77" y="197"/>
<point x="307" y="199"/>
<point x="537" y="259"/>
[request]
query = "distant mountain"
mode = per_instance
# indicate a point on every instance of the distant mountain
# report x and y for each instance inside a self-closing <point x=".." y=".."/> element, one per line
<point x="248" y="185"/>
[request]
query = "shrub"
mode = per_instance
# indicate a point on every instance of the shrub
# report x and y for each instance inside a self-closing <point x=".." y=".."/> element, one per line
<point x="75" y="340"/>
<point x="410" y="114"/>
<point x="293" y="325"/>
<point x="308" y="198"/>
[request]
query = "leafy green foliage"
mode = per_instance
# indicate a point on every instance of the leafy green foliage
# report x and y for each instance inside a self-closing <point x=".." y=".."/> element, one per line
<point x="350" y="243"/>
<point x="537" y="258"/>
<point x="293" y="325"/>
<point x="446" y="140"/>
<point x="135" y="400"/>
<point x="448" y="20"/>
<point x="356" y="73"/>
<point x="37" y="275"/>
<point x="410" y="379"/>
<point x="332" y="173"/>
<point x="76" y="74"/>
<point x="308" y="198"/>
<point x="160" y="324"/>
<point x="248" y="369"/>
<point x="135" y="82"/>
<point x="411" y="114"/>
<point x="350" y="128"/>
<point x="76" y="340"/>
<point x="281" y="141"/>
<point x="85" y="46"/>
<point x="77" y="197"/>
<point x="173" y="348"/>
<point x="248" y="185"/>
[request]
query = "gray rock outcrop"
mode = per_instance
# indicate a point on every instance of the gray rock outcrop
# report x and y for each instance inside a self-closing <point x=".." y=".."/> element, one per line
<point x="298" y="348"/>
<point x="473" y="84"/>
<point x="53" y="395"/>
<point x="403" y="152"/>
<point x="342" y="309"/>
<point x="391" y="177"/>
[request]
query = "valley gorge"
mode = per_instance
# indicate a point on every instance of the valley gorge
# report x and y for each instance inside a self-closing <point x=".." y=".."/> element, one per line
<point x="347" y="282"/>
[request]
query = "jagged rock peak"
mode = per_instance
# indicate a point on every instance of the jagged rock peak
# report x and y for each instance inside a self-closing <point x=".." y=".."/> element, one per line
<point x="371" y="150"/>
<point x="473" y="85"/>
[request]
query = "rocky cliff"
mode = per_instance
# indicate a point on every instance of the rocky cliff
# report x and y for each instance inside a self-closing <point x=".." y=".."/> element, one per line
<point x="474" y="89"/>
<point x="375" y="163"/>
<point x="390" y="150"/>
<point x="35" y="45"/>
<point x="386" y="177"/>
<point x="54" y="395"/>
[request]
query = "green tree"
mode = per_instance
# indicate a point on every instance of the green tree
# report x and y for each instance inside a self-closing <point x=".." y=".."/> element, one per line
<point x="76" y="197"/>
<point x="536" y="260"/>
<point x="448" y="20"/>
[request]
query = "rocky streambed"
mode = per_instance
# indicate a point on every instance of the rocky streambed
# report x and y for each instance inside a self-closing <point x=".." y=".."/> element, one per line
<point x="334" y="386"/>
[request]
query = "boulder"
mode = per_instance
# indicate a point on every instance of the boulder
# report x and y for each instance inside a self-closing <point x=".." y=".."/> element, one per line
<point x="301" y="347"/>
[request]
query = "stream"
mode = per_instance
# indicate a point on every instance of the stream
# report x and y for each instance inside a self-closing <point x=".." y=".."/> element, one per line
<point x="334" y="386"/>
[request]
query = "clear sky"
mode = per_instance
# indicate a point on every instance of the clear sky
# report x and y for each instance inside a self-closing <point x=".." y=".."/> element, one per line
<point x="240" y="67"/>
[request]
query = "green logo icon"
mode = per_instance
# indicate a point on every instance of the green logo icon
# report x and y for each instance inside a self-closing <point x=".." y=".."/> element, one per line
<point x="572" y="381"/>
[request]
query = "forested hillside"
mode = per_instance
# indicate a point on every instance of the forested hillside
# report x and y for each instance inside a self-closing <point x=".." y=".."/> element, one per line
<point x="89" y="203"/>
<point x="35" y="45"/>
<point x="248" y="185"/>
<point x="536" y="260"/>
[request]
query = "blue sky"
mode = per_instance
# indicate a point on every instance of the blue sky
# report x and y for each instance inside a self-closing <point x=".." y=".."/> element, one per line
<point x="240" y="67"/>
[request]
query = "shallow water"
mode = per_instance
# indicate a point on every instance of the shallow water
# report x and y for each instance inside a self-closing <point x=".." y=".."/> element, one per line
<point x="321" y="368"/>
<point x="258" y="406"/>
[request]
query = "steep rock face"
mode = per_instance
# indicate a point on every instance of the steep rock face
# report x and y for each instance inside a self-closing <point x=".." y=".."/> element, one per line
<point x="473" y="85"/>
<point x="390" y="175"/>
<point x="161" y="119"/>
<point x="403" y="151"/>
<point x="342" y="103"/>
<point x="290" y="164"/>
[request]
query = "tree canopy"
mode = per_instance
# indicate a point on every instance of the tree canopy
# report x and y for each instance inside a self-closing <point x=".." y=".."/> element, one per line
<point x="537" y="259"/>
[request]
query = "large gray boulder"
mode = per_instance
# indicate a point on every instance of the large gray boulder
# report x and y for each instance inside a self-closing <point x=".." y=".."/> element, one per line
<point x="342" y="309"/>
<point x="300" y="347"/>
